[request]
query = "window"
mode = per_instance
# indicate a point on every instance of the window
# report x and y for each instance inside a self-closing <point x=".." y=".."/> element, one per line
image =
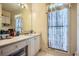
<point x="58" y="29"/>
<point x="18" y="24"/>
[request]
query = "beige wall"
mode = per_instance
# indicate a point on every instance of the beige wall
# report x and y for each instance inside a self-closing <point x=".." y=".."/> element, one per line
<point x="78" y="28"/>
<point x="73" y="28"/>
<point x="0" y="17"/>
<point x="39" y="22"/>
<point x="26" y="15"/>
<point x="12" y="20"/>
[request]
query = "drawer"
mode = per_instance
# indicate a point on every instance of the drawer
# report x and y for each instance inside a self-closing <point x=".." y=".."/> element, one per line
<point x="12" y="48"/>
<point x="38" y="37"/>
<point x="21" y="44"/>
<point x="27" y="42"/>
<point x="8" y="49"/>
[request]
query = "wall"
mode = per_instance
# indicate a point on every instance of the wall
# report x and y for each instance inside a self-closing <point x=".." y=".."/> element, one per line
<point x="73" y="28"/>
<point x="39" y="22"/>
<point x="0" y="17"/>
<point x="77" y="29"/>
<point x="26" y="15"/>
<point x="12" y="20"/>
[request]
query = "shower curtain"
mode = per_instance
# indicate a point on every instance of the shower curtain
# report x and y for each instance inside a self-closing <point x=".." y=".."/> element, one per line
<point x="58" y="29"/>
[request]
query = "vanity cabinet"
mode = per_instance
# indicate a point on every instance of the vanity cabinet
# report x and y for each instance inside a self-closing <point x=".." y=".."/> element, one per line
<point x="34" y="45"/>
<point x="12" y="48"/>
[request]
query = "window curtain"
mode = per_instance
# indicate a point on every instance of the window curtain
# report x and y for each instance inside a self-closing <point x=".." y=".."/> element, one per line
<point x="58" y="29"/>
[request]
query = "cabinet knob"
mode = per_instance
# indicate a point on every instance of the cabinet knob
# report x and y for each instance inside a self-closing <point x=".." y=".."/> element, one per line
<point x="16" y="46"/>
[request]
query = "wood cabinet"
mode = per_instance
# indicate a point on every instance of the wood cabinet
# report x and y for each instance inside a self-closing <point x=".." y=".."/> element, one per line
<point x="34" y="45"/>
<point x="6" y="15"/>
<point x="5" y="19"/>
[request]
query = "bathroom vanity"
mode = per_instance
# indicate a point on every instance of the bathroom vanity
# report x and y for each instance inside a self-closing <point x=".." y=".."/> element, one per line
<point x="23" y="45"/>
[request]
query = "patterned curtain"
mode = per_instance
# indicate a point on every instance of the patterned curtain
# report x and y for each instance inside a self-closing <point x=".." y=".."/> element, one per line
<point x="58" y="29"/>
<point x="18" y="24"/>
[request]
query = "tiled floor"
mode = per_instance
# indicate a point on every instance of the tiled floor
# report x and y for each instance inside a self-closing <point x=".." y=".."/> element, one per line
<point x="50" y="52"/>
<point x="43" y="53"/>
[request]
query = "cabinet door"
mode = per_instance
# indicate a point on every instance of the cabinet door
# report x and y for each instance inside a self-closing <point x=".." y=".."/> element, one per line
<point x="34" y="45"/>
<point x="37" y="44"/>
<point x="31" y="47"/>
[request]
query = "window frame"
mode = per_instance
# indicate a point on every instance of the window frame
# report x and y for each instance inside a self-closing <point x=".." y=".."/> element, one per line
<point x="18" y="27"/>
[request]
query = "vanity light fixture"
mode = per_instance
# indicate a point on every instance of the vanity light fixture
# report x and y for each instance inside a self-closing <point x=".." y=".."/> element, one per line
<point x="22" y="5"/>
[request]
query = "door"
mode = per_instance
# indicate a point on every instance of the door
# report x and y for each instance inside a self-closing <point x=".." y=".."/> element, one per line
<point x="31" y="47"/>
<point x="58" y="29"/>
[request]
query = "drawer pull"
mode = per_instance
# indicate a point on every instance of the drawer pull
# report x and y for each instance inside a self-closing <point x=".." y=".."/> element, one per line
<point x="16" y="46"/>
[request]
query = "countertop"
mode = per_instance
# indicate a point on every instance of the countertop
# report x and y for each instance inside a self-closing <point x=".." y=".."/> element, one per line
<point x="16" y="39"/>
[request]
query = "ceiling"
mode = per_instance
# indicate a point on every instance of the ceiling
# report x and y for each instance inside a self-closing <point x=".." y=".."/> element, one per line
<point x="12" y="7"/>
